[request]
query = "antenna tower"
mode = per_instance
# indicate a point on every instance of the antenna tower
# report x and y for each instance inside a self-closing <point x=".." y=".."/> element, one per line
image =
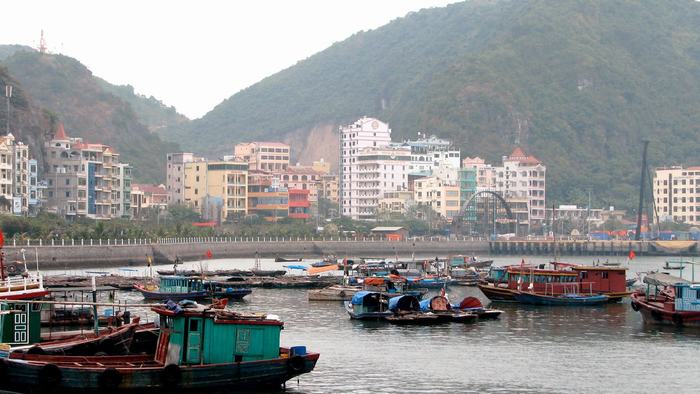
<point x="42" y="43"/>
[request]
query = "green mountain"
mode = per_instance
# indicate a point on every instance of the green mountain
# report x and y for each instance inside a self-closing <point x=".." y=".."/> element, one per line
<point x="578" y="83"/>
<point x="89" y="109"/>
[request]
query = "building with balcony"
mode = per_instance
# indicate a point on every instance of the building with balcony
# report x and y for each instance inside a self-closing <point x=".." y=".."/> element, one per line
<point x="146" y="197"/>
<point x="441" y="196"/>
<point x="264" y="156"/>
<point x="301" y="177"/>
<point x="676" y="193"/>
<point x="215" y="183"/>
<point x="84" y="180"/>
<point x="299" y="204"/>
<point x="265" y="198"/>
<point x="14" y="176"/>
<point x="175" y="175"/>
<point x="430" y="153"/>
<point x="523" y="176"/>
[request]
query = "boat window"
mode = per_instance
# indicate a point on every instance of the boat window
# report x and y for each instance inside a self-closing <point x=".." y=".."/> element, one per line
<point x="194" y="325"/>
<point x="36" y="307"/>
<point x="605" y="275"/>
<point x="584" y="275"/>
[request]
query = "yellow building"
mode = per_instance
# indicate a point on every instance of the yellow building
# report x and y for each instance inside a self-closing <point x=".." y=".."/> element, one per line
<point x="442" y="197"/>
<point x="395" y="203"/>
<point x="217" y="186"/>
<point x="677" y="194"/>
<point x="265" y="156"/>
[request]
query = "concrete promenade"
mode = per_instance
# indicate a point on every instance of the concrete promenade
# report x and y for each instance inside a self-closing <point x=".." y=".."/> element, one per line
<point x="94" y="254"/>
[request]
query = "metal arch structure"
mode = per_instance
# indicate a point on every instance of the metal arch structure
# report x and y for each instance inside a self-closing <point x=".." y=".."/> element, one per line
<point x="463" y="210"/>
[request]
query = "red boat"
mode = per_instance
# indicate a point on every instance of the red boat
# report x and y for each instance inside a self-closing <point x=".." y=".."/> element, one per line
<point x="668" y="300"/>
<point x="562" y="278"/>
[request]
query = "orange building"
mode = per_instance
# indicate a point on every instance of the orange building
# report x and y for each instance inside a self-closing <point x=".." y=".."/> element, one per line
<point x="299" y="204"/>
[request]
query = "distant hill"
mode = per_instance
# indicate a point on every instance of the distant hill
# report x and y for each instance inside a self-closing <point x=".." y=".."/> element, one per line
<point x="9" y="50"/>
<point x="89" y="109"/>
<point x="578" y="83"/>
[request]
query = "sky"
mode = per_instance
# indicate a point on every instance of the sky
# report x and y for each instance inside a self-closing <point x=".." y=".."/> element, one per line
<point x="193" y="54"/>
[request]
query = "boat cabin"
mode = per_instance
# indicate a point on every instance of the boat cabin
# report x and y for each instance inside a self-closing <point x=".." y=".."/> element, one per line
<point x="435" y="304"/>
<point x="364" y="302"/>
<point x="404" y="304"/>
<point x="180" y="284"/>
<point x="20" y="323"/>
<point x="572" y="279"/>
<point x="687" y="297"/>
<point x="204" y="336"/>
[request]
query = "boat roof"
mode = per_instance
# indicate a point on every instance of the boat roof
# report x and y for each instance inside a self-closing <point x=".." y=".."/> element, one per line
<point x="219" y="316"/>
<point x="83" y="289"/>
<point x="598" y="268"/>
<point x="358" y="297"/>
<point x="662" y="279"/>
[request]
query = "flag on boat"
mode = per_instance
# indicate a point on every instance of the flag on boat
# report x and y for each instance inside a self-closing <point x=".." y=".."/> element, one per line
<point x="149" y="260"/>
<point x="209" y="254"/>
<point x="2" y="239"/>
<point x="632" y="255"/>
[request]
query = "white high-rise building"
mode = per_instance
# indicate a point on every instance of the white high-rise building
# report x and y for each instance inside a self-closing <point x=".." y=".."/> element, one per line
<point x="677" y="194"/>
<point x="14" y="178"/>
<point x="431" y="153"/>
<point x="364" y="133"/>
<point x="379" y="170"/>
<point x="175" y="176"/>
<point x="523" y="177"/>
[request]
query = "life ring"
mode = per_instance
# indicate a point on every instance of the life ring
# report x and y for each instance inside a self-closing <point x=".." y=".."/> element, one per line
<point x="635" y="307"/>
<point x="171" y="376"/>
<point x="49" y="376"/>
<point x="656" y="315"/>
<point x="110" y="379"/>
<point x="12" y="269"/>
<point x="677" y="319"/>
<point x="297" y="364"/>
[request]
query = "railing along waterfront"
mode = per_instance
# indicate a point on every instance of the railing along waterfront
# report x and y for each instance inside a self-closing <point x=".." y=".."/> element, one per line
<point x="70" y="242"/>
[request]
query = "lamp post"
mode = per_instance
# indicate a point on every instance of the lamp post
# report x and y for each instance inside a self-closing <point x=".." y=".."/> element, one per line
<point x="8" y="95"/>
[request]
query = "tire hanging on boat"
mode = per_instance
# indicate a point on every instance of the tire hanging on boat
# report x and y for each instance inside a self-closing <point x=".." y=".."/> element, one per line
<point x="677" y="319"/>
<point x="635" y="307"/>
<point x="110" y="379"/>
<point x="171" y="376"/>
<point x="297" y="364"/>
<point x="12" y="269"/>
<point x="49" y="376"/>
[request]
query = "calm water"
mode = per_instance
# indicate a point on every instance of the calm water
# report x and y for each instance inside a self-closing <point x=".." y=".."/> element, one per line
<point x="529" y="349"/>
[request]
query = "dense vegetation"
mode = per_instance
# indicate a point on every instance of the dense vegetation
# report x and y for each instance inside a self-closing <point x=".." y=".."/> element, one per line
<point x="579" y="83"/>
<point x="69" y="91"/>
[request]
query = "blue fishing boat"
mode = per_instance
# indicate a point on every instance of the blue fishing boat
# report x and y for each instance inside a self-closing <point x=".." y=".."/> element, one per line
<point x="197" y="350"/>
<point x="406" y="310"/>
<point x="368" y="305"/>
<point x="440" y="306"/>
<point x="427" y="283"/>
<point x="224" y="290"/>
<point x="572" y="299"/>
<point x="174" y="287"/>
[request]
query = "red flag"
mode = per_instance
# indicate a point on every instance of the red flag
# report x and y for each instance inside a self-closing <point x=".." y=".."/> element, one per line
<point x="632" y="255"/>
<point x="2" y="239"/>
<point x="209" y="254"/>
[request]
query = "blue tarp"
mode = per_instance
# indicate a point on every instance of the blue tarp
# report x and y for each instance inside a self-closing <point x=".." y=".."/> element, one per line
<point x="404" y="302"/>
<point x="359" y="296"/>
<point x="425" y="305"/>
<point x="296" y="267"/>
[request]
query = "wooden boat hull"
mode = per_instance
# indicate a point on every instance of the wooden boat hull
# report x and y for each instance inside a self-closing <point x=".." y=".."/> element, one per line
<point x="233" y="294"/>
<point x="418" y="319"/>
<point x="537" y="299"/>
<point x="655" y="313"/>
<point x="497" y="293"/>
<point x="286" y="260"/>
<point x="155" y="295"/>
<point x="366" y="315"/>
<point x="136" y="374"/>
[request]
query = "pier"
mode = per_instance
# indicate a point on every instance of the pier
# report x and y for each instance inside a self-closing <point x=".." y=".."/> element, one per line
<point x="596" y="248"/>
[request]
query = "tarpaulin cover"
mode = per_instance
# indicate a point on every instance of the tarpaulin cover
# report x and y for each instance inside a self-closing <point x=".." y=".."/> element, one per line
<point x="404" y="303"/>
<point x="359" y="297"/>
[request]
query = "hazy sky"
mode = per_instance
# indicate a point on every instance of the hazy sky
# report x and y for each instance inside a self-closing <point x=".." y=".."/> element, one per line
<point x="193" y="54"/>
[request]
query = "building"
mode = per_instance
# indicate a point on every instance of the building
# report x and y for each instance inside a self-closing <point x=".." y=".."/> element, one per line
<point x="14" y="175"/>
<point x="354" y="138"/>
<point x="175" y="175"/>
<point x="396" y="203"/>
<point x="390" y="233"/>
<point x="147" y="198"/>
<point x="301" y="177"/>
<point x="208" y="185"/>
<point x="327" y="187"/>
<point x="36" y="188"/>
<point x="321" y="166"/>
<point x="83" y="180"/>
<point x="441" y="196"/>
<point x="676" y="193"/>
<point x="121" y="194"/>
<point x="299" y="204"/>
<point x="429" y="153"/>
<point x="264" y="156"/>
<point x="592" y="217"/>
<point x="523" y="177"/>
<point x="265" y="198"/>
<point x="485" y="173"/>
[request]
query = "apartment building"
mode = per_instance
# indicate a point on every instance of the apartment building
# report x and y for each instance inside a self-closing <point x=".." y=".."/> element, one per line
<point x="175" y="175"/>
<point x="441" y="196"/>
<point x="485" y="174"/>
<point x="84" y="180"/>
<point x="146" y="197"/>
<point x="676" y="193"/>
<point x="264" y="156"/>
<point x="430" y="153"/>
<point x="215" y="185"/>
<point x="523" y="176"/>
<point x="14" y="175"/>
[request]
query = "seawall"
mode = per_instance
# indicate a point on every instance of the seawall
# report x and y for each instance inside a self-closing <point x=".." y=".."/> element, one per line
<point x="94" y="256"/>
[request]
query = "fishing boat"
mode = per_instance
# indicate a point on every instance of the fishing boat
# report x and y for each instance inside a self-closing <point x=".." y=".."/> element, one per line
<point x="504" y="283"/>
<point x="440" y="306"/>
<point x="428" y="282"/>
<point x="474" y="305"/>
<point x="175" y="287"/>
<point x="225" y="290"/>
<point x="287" y="260"/>
<point x="368" y="305"/>
<point x="469" y="261"/>
<point x="198" y="349"/>
<point x="389" y="287"/>
<point x="406" y="311"/>
<point x="571" y="299"/>
<point x="668" y="300"/>
<point x="676" y="264"/>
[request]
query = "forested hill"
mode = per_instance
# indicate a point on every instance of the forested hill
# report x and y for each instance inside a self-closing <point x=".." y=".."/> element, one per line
<point x="580" y="83"/>
<point x="86" y="105"/>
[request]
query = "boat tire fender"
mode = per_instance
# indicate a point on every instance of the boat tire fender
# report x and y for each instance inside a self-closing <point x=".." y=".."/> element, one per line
<point x="635" y="307"/>
<point x="110" y="379"/>
<point x="49" y="376"/>
<point x="297" y="364"/>
<point x="12" y="269"/>
<point x="171" y="376"/>
<point x="677" y="319"/>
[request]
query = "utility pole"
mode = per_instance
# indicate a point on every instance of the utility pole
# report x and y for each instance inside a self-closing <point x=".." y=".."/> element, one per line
<point x="638" y="233"/>
<point x="8" y="95"/>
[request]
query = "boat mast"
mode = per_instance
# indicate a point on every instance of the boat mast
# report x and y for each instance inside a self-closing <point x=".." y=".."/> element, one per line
<point x="638" y="233"/>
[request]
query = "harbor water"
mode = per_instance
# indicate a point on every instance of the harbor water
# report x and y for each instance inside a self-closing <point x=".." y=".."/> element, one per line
<point x="529" y="349"/>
